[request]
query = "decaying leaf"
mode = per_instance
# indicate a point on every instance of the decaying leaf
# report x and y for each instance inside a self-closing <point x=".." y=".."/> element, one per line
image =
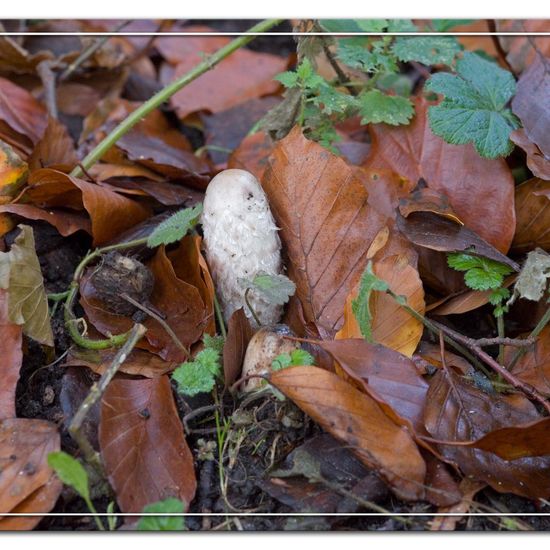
<point x="358" y="420"/>
<point x="21" y="277"/>
<point x="13" y="172"/>
<point x="142" y="444"/>
<point x="533" y="278"/>
<point x="54" y="148"/>
<point x="537" y="162"/>
<point x="239" y="333"/>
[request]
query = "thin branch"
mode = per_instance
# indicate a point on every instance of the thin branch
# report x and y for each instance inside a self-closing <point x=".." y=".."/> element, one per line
<point x="47" y="76"/>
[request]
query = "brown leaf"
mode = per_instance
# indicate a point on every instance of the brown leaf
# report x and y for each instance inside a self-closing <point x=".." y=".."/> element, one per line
<point x="326" y="224"/>
<point x="177" y="299"/>
<point x="460" y="412"/>
<point x="358" y="420"/>
<point x="533" y="367"/>
<point x="536" y="161"/>
<point x="530" y="103"/>
<point x="110" y="213"/>
<point x="21" y="111"/>
<point x="533" y="215"/>
<point x="441" y="487"/>
<point x="252" y="154"/>
<point x="142" y="444"/>
<point x="11" y="338"/>
<point x="56" y="147"/>
<point x="239" y="333"/>
<point x="27" y="483"/>
<point x="13" y="172"/>
<point x="478" y="189"/>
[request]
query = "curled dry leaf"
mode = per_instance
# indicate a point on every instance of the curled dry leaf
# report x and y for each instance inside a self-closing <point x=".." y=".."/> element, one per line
<point x="392" y="326"/>
<point x="27" y="483"/>
<point x="239" y="333"/>
<point x="327" y="225"/>
<point x="110" y="213"/>
<point x="56" y="147"/>
<point x="533" y="216"/>
<point x="478" y="189"/>
<point x="142" y="444"/>
<point x="531" y="103"/>
<point x="536" y="161"/>
<point x="252" y="154"/>
<point x="457" y="411"/>
<point x="358" y="420"/>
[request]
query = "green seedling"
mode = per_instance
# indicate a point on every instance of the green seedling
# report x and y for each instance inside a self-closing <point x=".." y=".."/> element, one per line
<point x="163" y="523"/>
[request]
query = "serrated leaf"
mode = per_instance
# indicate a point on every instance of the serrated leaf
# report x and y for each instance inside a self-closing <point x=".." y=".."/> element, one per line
<point x="429" y="50"/>
<point x="288" y="79"/>
<point x="474" y="107"/>
<point x="481" y="273"/>
<point x="354" y="25"/>
<point x="277" y="289"/>
<point x="70" y="472"/>
<point x="375" y="107"/>
<point x="298" y="357"/>
<point x="163" y="523"/>
<point x="175" y="227"/>
<point x="21" y="276"/>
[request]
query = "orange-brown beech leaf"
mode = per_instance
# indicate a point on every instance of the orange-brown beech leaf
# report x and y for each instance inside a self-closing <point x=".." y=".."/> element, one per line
<point x="466" y="301"/>
<point x="424" y="199"/>
<point x="533" y="367"/>
<point x="536" y="161"/>
<point x="533" y="214"/>
<point x="21" y="112"/>
<point x="478" y="189"/>
<point x="441" y="487"/>
<point x="431" y="353"/>
<point x="177" y="299"/>
<point x="110" y="213"/>
<point x="56" y="147"/>
<point x="143" y="445"/>
<point x="389" y="377"/>
<point x="438" y="233"/>
<point x="24" y="447"/>
<point x="11" y="341"/>
<point x="239" y="333"/>
<point x="327" y="225"/>
<point x="252" y="154"/>
<point x="392" y="326"/>
<point x="65" y="221"/>
<point x="138" y="363"/>
<point x="530" y="104"/>
<point x="13" y="172"/>
<point x="457" y="411"/>
<point x="359" y="421"/>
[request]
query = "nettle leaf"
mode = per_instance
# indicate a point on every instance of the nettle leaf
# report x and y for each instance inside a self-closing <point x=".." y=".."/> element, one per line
<point x="277" y="289"/>
<point x="481" y="273"/>
<point x="21" y="276"/>
<point x="361" y="305"/>
<point x="175" y="227"/>
<point x="375" y="107"/>
<point x="163" y="523"/>
<point x="474" y="106"/>
<point x="289" y="79"/>
<point x="429" y="50"/>
<point x="70" y="472"/>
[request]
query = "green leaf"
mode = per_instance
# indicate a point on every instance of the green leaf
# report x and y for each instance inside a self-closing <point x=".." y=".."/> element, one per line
<point x="397" y="83"/>
<point x="375" y="107"/>
<point x="401" y="25"/>
<point x="474" y="107"/>
<point x="481" y="273"/>
<point x="298" y="357"/>
<point x="70" y="472"/>
<point x="444" y="25"/>
<point x="175" y="227"/>
<point x="360" y="306"/>
<point x="289" y="79"/>
<point x="214" y="342"/>
<point x="21" y="276"/>
<point x="163" y="523"/>
<point x="429" y="50"/>
<point x="354" y="25"/>
<point x="277" y="289"/>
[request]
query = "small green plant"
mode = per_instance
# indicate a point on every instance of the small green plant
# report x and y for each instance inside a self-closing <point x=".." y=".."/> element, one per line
<point x="163" y="523"/>
<point x="276" y="289"/>
<point x="298" y="357"/>
<point x="71" y="472"/>
<point x="175" y="227"/>
<point x="483" y="274"/>
<point x="199" y="375"/>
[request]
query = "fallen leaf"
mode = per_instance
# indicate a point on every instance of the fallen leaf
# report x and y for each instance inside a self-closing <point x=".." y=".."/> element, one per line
<point x="56" y="147"/>
<point x="21" y="112"/>
<point x="478" y="189"/>
<point x="441" y="487"/>
<point x="142" y="444"/>
<point x="252" y="154"/>
<point x="531" y="103"/>
<point x="536" y="161"/>
<point x="13" y="172"/>
<point x="326" y="224"/>
<point x="21" y="277"/>
<point x="533" y="216"/>
<point x="27" y="483"/>
<point x="110" y="213"/>
<point x="239" y="333"/>
<point x="460" y="412"/>
<point x="358" y="420"/>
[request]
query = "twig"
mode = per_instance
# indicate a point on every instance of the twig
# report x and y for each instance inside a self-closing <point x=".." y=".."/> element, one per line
<point x="163" y="95"/>
<point x="342" y="76"/>
<point x="96" y="391"/>
<point x="514" y="342"/>
<point x="44" y="70"/>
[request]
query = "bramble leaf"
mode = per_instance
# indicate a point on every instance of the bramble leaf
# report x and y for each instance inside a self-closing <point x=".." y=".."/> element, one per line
<point x="175" y="227"/>
<point x="163" y="523"/>
<point x="375" y="107"/>
<point x="474" y="106"/>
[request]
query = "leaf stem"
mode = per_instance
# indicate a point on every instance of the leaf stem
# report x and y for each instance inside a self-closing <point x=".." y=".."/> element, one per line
<point x="166" y="93"/>
<point x="219" y="316"/>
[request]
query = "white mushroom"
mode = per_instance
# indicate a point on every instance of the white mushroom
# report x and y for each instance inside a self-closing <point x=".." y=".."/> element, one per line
<point x="240" y="240"/>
